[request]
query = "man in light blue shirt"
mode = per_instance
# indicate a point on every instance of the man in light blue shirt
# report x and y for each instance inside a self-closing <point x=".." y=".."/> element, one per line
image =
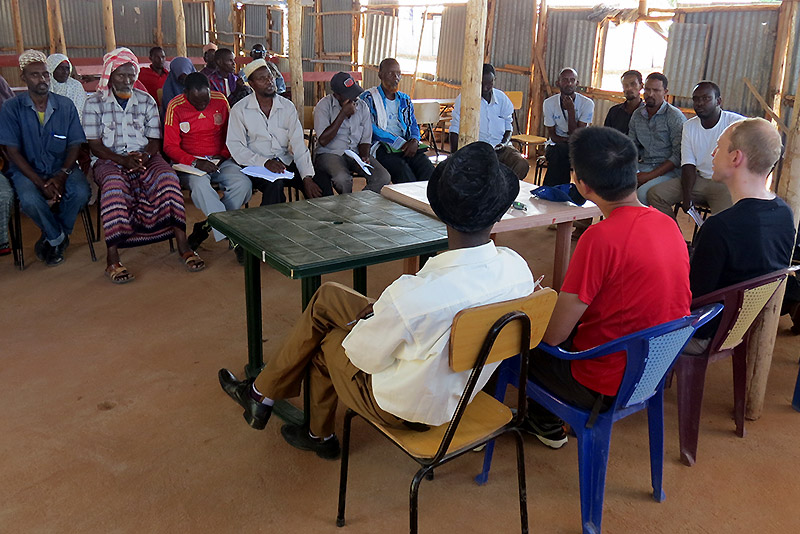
<point x="496" y="112"/>
<point x="563" y="114"/>
<point x="656" y="131"/>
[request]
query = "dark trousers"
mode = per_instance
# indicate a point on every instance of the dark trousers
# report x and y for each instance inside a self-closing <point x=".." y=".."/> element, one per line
<point x="272" y="192"/>
<point x="402" y="169"/>
<point x="555" y="375"/>
<point x="558" y="166"/>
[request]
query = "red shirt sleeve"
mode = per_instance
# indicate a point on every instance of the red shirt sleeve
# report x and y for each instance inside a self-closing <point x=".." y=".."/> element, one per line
<point x="172" y="137"/>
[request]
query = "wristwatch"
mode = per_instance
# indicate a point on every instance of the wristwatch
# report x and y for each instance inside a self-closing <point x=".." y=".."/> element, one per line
<point x="67" y="171"/>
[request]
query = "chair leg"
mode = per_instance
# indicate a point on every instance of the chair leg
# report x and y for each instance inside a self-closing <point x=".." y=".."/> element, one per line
<point x="348" y="421"/>
<point x="739" y="385"/>
<point x="691" y="373"/>
<point x="505" y="376"/>
<point x="655" y="423"/>
<point x="523" y="491"/>
<point x="413" y="498"/>
<point x="87" y="225"/>
<point x="16" y="237"/>
<point x="593" y="448"/>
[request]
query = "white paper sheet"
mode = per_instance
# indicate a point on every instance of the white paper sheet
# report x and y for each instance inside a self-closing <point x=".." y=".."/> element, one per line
<point x="355" y="157"/>
<point x="266" y="174"/>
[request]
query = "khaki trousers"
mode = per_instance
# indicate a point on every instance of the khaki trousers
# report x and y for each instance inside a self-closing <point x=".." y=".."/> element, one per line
<point x="510" y="157"/>
<point x="664" y="196"/>
<point x="315" y="343"/>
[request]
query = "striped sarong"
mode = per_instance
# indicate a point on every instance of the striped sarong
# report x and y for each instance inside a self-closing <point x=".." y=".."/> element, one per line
<point x="139" y="208"/>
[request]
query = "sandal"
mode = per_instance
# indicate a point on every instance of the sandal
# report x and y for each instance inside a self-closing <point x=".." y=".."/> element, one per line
<point x="118" y="274"/>
<point x="192" y="261"/>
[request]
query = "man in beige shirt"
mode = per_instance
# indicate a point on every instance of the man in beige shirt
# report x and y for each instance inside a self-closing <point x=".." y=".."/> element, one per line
<point x="264" y="131"/>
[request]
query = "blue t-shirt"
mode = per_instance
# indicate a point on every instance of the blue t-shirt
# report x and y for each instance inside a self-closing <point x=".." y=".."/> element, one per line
<point x="44" y="146"/>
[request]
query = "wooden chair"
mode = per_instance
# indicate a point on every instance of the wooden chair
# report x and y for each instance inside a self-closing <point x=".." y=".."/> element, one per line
<point x="308" y="127"/>
<point x="522" y="140"/>
<point x="516" y="101"/>
<point x="481" y="335"/>
<point x="743" y="302"/>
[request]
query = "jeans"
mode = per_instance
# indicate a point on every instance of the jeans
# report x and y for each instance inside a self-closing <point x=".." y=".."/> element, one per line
<point x="55" y="226"/>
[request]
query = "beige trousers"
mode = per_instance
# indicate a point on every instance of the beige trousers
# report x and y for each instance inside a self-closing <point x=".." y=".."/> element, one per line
<point x="510" y="157"/>
<point x="315" y="343"/>
<point x="664" y="196"/>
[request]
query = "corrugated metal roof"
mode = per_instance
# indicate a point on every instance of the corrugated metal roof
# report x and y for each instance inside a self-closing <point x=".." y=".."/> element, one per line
<point x="380" y="38"/>
<point x="742" y="43"/>
<point x="449" y="60"/>
<point x="511" y="45"/>
<point x="562" y="38"/>
<point x="687" y="54"/>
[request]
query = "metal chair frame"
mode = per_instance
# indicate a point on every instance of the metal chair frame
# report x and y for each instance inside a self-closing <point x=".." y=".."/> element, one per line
<point x="442" y="456"/>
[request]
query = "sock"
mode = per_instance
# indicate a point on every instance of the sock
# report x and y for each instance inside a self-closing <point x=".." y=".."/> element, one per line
<point x="257" y="395"/>
<point x="319" y="438"/>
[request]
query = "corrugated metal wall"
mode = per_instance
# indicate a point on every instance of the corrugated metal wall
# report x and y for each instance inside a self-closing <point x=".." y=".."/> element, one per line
<point x="511" y="45"/>
<point x="687" y="54"/>
<point x="380" y="38"/>
<point x="255" y="24"/>
<point x="570" y="43"/>
<point x="793" y="71"/>
<point x="741" y="45"/>
<point x="449" y="60"/>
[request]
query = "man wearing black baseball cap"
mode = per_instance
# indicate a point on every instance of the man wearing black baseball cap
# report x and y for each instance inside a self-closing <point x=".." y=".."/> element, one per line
<point x="343" y="123"/>
<point x="388" y="359"/>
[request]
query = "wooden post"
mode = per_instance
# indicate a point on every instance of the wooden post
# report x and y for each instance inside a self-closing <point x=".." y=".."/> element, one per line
<point x="212" y="21"/>
<point x="238" y="29"/>
<point x="55" y="23"/>
<point x="18" y="41"/>
<point x="295" y="22"/>
<point x="487" y="50"/>
<point x="642" y="8"/>
<point x="762" y="340"/>
<point x="538" y="72"/>
<point x="108" y="25"/>
<point x="180" y="28"/>
<point x="419" y="51"/>
<point x="472" y="72"/>
<point x="319" y="48"/>
<point x="356" y="34"/>
<point x="159" y="24"/>
<point x="787" y="30"/>
<point x="599" y="54"/>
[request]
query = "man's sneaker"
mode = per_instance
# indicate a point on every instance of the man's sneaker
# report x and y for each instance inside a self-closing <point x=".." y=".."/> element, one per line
<point x="297" y="436"/>
<point x="551" y="435"/>
<point x="41" y="249"/>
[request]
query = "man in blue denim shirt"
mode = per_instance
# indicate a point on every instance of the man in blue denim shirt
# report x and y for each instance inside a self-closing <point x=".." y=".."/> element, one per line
<point x="42" y="135"/>
<point x="395" y="133"/>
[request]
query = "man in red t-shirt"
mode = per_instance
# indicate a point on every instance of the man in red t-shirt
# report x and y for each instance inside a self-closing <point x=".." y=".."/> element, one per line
<point x="195" y="127"/>
<point x="154" y="76"/>
<point x="629" y="272"/>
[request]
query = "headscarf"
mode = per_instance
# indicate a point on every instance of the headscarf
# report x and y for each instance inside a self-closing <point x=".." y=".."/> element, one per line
<point x="114" y="60"/>
<point x="72" y="88"/>
<point x="31" y="56"/>
<point x="172" y="86"/>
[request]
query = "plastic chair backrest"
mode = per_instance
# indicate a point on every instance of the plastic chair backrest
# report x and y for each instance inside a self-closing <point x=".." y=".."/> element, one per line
<point x="516" y="98"/>
<point x="470" y="326"/>
<point x="652" y="352"/>
<point x="426" y="112"/>
<point x="743" y="302"/>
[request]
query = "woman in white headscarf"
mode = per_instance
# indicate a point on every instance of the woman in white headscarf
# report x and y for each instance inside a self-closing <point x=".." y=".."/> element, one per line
<point x="60" y="68"/>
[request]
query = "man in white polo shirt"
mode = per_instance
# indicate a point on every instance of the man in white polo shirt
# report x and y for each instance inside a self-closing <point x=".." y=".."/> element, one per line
<point x="700" y="135"/>
<point x="495" y="129"/>
<point x="563" y="114"/>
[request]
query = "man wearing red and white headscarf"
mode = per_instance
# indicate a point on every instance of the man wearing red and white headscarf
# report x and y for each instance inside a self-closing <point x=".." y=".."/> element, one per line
<point x="140" y="196"/>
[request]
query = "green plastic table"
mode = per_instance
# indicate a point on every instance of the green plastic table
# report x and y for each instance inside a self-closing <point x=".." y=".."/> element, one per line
<point x="308" y="238"/>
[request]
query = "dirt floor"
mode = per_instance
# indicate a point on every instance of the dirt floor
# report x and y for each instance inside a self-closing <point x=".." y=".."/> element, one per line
<point x="113" y="421"/>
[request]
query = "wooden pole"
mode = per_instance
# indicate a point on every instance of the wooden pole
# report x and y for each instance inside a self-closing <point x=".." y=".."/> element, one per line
<point x="599" y="54"/>
<point x="472" y="72"/>
<point x="319" y="48"/>
<point x="159" y="24"/>
<point x="295" y="22"/>
<point x="18" y="41"/>
<point x="487" y="50"/>
<point x="180" y="28"/>
<point x="51" y="25"/>
<point x="212" y="21"/>
<point x="108" y="25"/>
<point x="539" y="71"/>
<point x="419" y="51"/>
<point x="642" y="8"/>
<point x="356" y="34"/>
<point x="55" y="23"/>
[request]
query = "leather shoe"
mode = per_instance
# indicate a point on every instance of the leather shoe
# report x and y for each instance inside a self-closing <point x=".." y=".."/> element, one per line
<point x="55" y="255"/>
<point x="200" y="232"/>
<point x="255" y="413"/>
<point x="297" y="436"/>
<point x="41" y="249"/>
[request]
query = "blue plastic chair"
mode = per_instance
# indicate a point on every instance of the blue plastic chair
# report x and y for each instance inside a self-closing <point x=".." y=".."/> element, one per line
<point x="650" y="355"/>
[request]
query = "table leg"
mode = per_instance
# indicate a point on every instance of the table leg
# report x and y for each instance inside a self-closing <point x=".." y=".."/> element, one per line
<point x="309" y="287"/>
<point x="562" y="252"/>
<point x="360" y="279"/>
<point x="252" y="291"/>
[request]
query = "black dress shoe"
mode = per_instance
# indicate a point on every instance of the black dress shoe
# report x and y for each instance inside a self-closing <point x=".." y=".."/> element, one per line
<point x="200" y="232"/>
<point x="55" y="255"/>
<point x="255" y="413"/>
<point x="41" y="249"/>
<point x="297" y="436"/>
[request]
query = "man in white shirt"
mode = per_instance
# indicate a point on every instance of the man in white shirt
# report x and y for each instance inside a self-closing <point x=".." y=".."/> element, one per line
<point x="563" y="114"/>
<point x="264" y="131"/>
<point x="698" y="140"/>
<point x="392" y="365"/>
<point x="495" y="128"/>
<point x="342" y="122"/>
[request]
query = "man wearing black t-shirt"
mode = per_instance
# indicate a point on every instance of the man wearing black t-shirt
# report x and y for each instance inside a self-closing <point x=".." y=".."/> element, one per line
<point x="619" y="116"/>
<point x="756" y="235"/>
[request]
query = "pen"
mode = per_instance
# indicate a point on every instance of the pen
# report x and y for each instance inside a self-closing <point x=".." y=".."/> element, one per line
<point x="354" y="321"/>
